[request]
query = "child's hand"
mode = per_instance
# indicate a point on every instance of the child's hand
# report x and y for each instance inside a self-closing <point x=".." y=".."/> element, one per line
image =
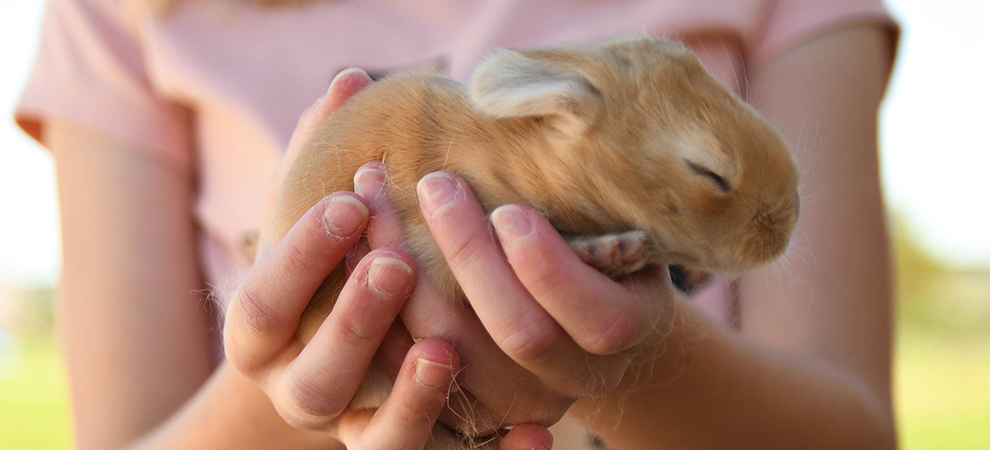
<point x="310" y="386"/>
<point x="568" y="331"/>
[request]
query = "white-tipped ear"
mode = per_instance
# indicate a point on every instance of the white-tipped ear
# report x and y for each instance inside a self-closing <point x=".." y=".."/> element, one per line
<point x="509" y="84"/>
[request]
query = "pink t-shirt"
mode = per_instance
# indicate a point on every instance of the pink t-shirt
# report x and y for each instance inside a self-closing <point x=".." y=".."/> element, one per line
<point x="216" y="87"/>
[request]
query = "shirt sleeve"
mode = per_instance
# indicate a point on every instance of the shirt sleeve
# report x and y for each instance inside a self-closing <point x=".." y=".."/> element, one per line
<point x="790" y="23"/>
<point x="90" y="70"/>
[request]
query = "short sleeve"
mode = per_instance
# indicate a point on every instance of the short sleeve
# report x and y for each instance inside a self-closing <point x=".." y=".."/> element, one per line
<point x="790" y="23"/>
<point x="90" y="70"/>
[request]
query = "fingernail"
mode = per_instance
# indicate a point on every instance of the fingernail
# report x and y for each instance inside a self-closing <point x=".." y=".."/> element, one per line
<point x="343" y="74"/>
<point x="369" y="183"/>
<point x="437" y="192"/>
<point x="432" y="375"/>
<point x="512" y="223"/>
<point x="343" y="216"/>
<point x="388" y="276"/>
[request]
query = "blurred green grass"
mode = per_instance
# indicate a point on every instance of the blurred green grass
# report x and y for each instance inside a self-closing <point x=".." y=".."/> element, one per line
<point x="942" y="394"/>
<point x="34" y="410"/>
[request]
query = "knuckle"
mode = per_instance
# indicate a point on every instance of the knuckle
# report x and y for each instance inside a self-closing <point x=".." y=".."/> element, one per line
<point x="599" y="387"/>
<point x="544" y="281"/>
<point x="615" y="337"/>
<point x="610" y="375"/>
<point x="599" y="377"/>
<point x="357" y="331"/>
<point x="540" y="268"/>
<point x="239" y="356"/>
<point x="530" y="341"/>
<point x="461" y="251"/>
<point x="410" y="416"/>
<point x="259" y="316"/>
<point x="306" y="405"/>
<point x="301" y="259"/>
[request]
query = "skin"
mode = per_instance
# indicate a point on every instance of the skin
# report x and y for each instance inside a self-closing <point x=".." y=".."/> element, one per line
<point x="158" y="391"/>
<point x="821" y="380"/>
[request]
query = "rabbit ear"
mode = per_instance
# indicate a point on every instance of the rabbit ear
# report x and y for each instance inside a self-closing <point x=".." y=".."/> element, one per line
<point x="510" y="84"/>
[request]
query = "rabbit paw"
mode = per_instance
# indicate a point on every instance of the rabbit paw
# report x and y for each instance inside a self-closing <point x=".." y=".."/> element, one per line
<point x="614" y="255"/>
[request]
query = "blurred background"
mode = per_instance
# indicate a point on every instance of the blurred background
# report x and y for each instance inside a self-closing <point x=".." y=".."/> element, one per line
<point x="935" y="160"/>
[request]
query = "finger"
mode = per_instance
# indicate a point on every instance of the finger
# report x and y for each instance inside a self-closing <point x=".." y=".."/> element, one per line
<point x="460" y="227"/>
<point x="323" y="379"/>
<point x="527" y="437"/>
<point x="601" y="315"/>
<point x="347" y="83"/>
<point x="395" y="346"/>
<point x="343" y="86"/>
<point x="264" y="312"/>
<point x="518" y="324"/>
<point x="493" y="389"/>
<point x="385" y="228"/>
<point x="496" y="389"/>
<point x="406" y="419"/>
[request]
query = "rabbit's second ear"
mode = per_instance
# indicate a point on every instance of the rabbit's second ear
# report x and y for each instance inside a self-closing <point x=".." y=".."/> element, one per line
<point x="509" y="84"/>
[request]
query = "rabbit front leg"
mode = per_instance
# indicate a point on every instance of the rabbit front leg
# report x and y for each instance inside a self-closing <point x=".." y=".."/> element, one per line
<point x="619" y="254"/>
<point x="614" y="254"/>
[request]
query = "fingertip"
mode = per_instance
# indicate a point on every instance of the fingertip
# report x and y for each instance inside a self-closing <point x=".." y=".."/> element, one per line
<point x="390" y="276"/>
<point x="438" y="192"/>
<point x="434" y="364"/>
<point x="344" y="215"/>
<point x="370" y="181"/>
<point x="435" y="351"/>
<point x="527" y="436"/>
<point x="409" y="413"/>
<point x="348" y="75"/>
<point x="513" y="224"/>
<point x="345" y="84"/>
<point x="539" y="256"/>
<point x="387" y="271"/>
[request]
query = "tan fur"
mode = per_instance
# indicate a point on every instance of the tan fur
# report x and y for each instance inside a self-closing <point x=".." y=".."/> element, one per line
<point x="612" y="137"/>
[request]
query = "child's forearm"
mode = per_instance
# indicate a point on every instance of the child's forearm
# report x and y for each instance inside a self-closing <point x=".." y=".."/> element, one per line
<point x="231" y="412"/>
<point x="706" y="387"/>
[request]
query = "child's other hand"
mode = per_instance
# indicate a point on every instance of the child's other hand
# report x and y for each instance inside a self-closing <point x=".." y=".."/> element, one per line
<point x="559" y="330"/>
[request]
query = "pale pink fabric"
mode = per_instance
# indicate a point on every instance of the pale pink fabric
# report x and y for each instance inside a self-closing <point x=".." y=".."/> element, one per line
<point x="216" y="87"/>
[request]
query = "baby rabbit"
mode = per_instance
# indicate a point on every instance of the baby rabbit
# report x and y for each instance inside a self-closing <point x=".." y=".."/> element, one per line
<point x="630" y="148"/>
